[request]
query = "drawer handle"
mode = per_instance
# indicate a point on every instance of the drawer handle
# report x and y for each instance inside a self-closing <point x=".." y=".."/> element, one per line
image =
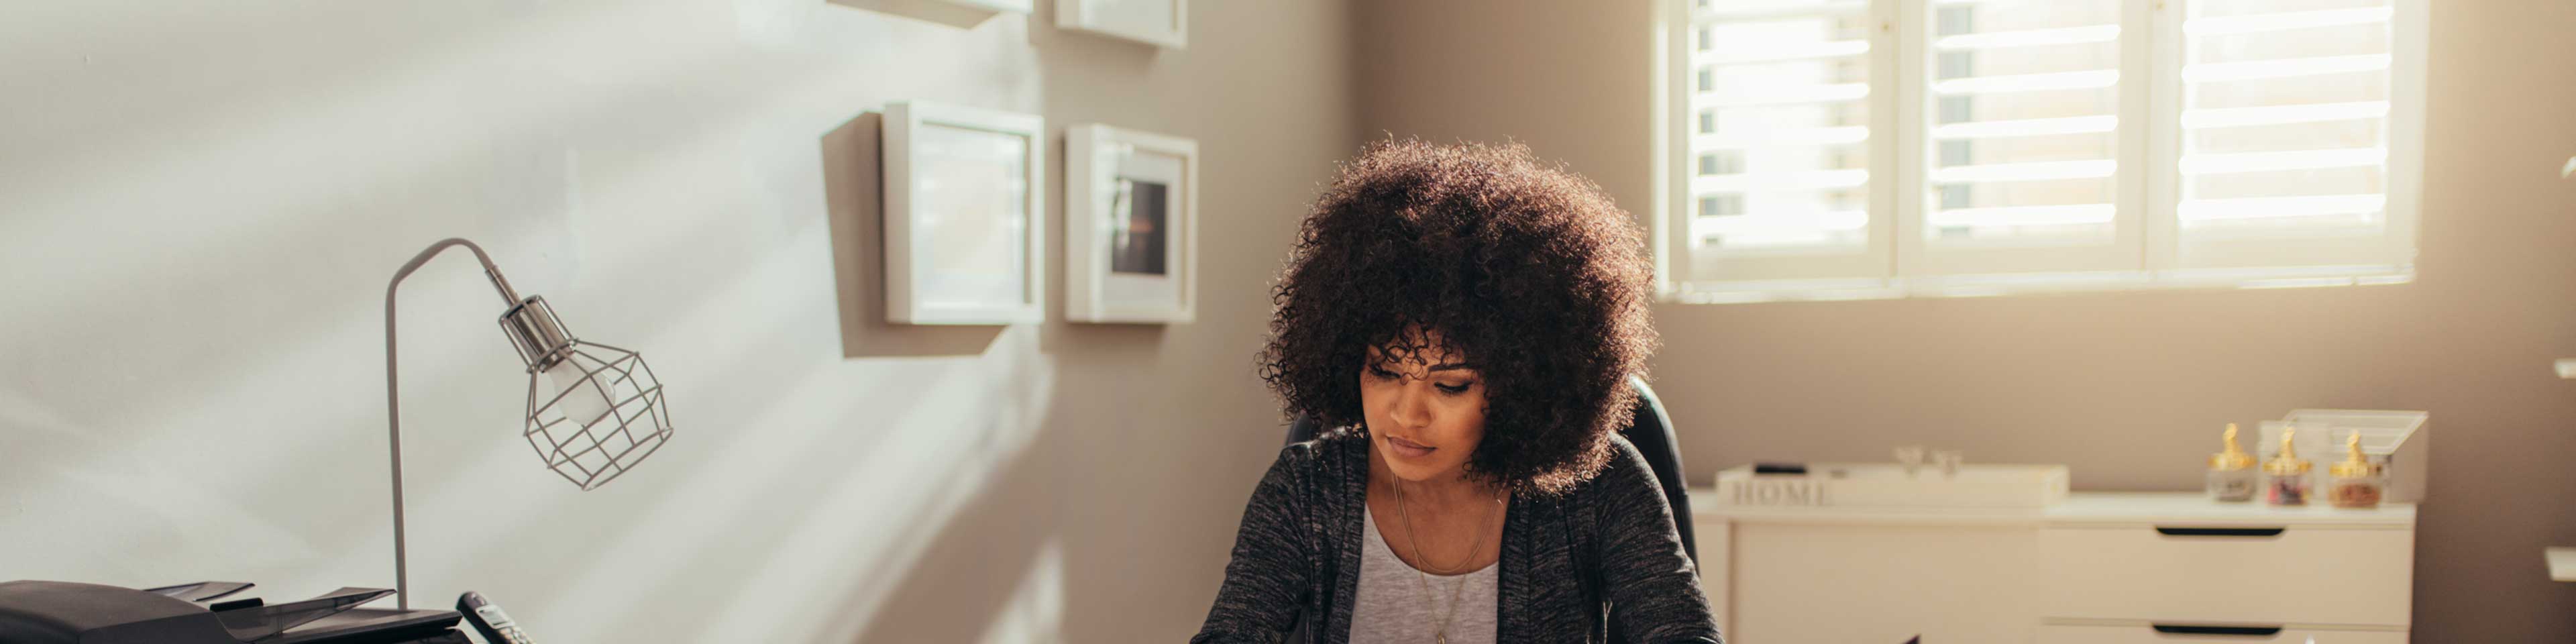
<point x="2220" y="532"/>
<point x="2240" y="631"/>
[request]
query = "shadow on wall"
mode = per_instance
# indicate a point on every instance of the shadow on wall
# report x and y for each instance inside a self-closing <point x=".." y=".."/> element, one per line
<point x="1046" y="540"/>
<point x="872" y="504"/>
<point x="986" y="574"/>
<point x="853" y="195"/>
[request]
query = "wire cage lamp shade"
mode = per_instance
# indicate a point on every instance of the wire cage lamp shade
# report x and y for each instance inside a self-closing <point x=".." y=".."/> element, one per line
<point x="594" y="411"/>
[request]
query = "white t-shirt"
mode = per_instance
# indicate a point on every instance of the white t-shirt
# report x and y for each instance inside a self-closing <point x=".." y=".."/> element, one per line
<point x="1393" y="606"/>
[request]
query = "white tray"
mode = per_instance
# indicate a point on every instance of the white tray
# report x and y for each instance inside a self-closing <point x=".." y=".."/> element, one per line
<point x="1888" y="485"/>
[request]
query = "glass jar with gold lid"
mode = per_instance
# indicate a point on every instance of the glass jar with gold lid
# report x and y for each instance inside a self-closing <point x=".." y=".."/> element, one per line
<point x="2231" y="473"/>
<point x="2357" y="482"/>
<point x="2286" y="476"/>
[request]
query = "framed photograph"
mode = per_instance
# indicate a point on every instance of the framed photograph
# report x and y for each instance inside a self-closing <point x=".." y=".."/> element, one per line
<point x="1164" y="23"/>
<point x="1131" y="226"/>
<point x="965" y="223"/>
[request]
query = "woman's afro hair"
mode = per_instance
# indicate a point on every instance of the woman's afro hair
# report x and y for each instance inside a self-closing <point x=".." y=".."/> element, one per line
<point x="1525" y="270"/>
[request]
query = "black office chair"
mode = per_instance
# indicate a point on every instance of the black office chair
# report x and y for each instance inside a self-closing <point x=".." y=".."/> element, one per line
<point x="1650" y="429"/>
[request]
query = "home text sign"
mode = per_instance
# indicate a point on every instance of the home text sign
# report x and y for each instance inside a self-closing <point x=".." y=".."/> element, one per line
<point x="1789" y="491"/>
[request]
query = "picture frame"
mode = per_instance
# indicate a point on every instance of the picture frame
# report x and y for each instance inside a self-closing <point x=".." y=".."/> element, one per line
<point x="965" y="215"/>
<point x="1131" y="226"/>
<point x="1162" y="23"/>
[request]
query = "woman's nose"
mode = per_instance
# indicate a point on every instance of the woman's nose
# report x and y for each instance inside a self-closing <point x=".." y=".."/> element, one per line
<point x="1410" y="408"/>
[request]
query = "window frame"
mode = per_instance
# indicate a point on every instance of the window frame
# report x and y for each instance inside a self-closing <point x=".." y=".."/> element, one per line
<point x="2148" y="249"/>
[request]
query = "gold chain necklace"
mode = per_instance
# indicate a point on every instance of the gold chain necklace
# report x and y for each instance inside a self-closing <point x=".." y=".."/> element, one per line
<point x="1416" y="542"/>
<point x="1440" y="634"/>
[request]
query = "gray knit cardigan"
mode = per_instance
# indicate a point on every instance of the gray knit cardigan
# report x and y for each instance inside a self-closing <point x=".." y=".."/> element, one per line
<point x="1604" y="549"/>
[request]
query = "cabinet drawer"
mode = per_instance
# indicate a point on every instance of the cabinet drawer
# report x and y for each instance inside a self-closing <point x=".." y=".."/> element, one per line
<point x="2261" y="575"/>
<point x="2199" y="634"/>
<point x="1870" y="584"/>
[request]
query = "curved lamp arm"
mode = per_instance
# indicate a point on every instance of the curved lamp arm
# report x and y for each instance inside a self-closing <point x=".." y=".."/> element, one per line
<point x="393" y="398"/>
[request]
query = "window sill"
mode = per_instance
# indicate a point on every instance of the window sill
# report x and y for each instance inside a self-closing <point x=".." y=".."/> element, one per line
<point x="1996" y="285"/>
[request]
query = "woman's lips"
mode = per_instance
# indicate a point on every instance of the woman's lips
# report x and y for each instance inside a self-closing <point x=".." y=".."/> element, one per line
<point x="1408" y="449"/>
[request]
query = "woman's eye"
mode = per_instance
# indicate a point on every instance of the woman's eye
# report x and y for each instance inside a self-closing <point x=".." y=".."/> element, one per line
<point x="1381" y="374"/>
<point x="1455" y="389"/>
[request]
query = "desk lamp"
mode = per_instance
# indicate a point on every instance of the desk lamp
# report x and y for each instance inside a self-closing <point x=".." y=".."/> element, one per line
<point x="594" y="411"/>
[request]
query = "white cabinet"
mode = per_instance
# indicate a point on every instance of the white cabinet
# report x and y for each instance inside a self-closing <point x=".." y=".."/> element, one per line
<point x="2145" y="634"/>
<point x="2106" y="568"/>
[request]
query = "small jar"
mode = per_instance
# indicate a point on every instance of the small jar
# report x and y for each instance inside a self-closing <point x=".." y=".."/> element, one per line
<point x="2286" y="477"/>
<point x="2231" y="473"/>
<point x="2357" y="482"/>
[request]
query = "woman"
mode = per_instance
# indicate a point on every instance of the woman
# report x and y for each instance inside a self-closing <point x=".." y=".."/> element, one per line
<point x="1467" y="319"/>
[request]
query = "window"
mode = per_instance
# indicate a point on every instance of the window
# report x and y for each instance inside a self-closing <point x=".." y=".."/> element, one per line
<point x="1895" y="147"/>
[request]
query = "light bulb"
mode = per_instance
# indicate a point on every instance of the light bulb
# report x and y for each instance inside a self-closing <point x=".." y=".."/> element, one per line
<point x="580" y="403"/>
<point x="577" y="434"/>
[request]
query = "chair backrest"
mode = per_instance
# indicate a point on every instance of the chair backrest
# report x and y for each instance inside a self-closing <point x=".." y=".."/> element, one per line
<point x="1649" y="428"/>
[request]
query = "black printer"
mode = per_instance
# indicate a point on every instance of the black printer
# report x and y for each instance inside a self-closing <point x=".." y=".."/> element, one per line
<point x="59" y="612"/>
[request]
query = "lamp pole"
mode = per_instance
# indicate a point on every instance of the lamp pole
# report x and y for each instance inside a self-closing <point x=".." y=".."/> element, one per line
<point x="393" y="396"/>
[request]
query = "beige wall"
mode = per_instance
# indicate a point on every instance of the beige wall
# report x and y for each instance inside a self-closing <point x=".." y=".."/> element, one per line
<point x="2128" y="388"/>
<point x="200" y="205"/>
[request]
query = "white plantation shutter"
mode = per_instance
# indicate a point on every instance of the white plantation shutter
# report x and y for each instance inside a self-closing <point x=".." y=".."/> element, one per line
<point x="1779" y="148"/>
<point x="1918" y="145"/>
<point x="2020" y="109"/>
<point x="2288" y="142"/>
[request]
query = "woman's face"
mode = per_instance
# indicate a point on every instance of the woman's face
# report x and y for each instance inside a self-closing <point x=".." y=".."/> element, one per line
<point x="1425" y="412"/>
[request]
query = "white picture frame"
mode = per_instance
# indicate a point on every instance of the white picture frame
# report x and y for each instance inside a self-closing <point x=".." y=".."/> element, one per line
<point x="1162" y="23"/>
<point x="1118" y="181"/>
<point x="1013" y="6"/>
<point x="965" y="215"/>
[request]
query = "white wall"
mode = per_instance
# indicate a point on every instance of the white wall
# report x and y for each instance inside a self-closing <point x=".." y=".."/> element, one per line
<point x="200" y="204"/>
